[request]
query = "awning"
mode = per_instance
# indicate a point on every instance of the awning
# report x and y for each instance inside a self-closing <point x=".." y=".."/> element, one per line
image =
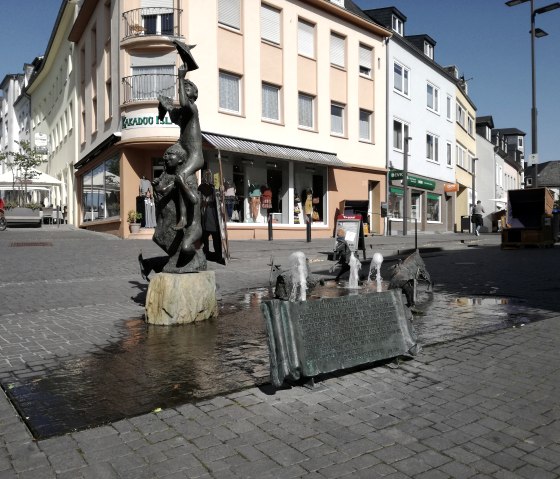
<point x="271" y="150"/>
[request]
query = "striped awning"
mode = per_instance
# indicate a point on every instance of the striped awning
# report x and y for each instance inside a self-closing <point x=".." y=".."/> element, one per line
<point x="271" y="150"/>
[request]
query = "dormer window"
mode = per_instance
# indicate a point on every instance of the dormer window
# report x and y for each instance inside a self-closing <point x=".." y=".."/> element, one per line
<point x="397" y="25"/>
<point x="429" y="50"/>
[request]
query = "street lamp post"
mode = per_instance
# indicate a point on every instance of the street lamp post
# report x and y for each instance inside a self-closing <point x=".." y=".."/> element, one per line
<point x="405" y="185"/>
<point x="535" y="33"/>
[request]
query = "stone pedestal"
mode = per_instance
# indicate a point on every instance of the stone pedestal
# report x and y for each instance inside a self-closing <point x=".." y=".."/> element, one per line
<point x="181" y="298"/>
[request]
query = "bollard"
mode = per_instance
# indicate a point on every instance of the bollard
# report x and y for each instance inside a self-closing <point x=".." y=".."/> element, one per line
<point x="415" y="233"/>
<point x="270" y="227"/>
<point x="308" y="228"/>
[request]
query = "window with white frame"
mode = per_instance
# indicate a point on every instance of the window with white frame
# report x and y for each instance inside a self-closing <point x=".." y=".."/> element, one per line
<point x="433" y="208"/>
<point x="401" y="78"/>
<point x="432" y="147"/>
<point x="460" y="154"/>
<point x="270" y="24"/>
<point x="366" y="54"/>
<point x="270" y="102"/>
<point x="306" y="113"/>
<point x="337" y="119"/>
<point x="470" y="125"/>
<point x="400" y="131"/>
<point x="230" y="92"/>
<point x="520" y="141"/>
<point x="470" y="161"/>
<point x="449" y="109"/>
<point x="449" y="150"/>
<point x="306" y="39"/>
<point x="365" y="125"/>
<point x="338" y="50"/>
<point x="461" y="116"/>
<point x="397" y="25"/>
<point x="429" y="50"/>
<point x="149" y="81"/>
<point x="432" y="101"/>
<point x="229" y="13"/>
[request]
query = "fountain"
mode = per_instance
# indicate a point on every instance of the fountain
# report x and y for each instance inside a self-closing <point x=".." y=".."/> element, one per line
<point x="355" y="266"/>
<point x="299" y="274"/>
<point x="375" y="264"/>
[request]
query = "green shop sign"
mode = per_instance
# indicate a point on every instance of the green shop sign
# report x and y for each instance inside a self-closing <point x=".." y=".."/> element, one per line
<point x="413" y="180"/>
<point x="142" y="121"/>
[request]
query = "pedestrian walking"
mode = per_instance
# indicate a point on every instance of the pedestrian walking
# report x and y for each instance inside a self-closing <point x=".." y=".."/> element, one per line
<point x="477" y="212"/>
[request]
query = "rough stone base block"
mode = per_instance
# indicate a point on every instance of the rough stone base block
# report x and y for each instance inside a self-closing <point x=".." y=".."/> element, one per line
<point x="181" y="298"/>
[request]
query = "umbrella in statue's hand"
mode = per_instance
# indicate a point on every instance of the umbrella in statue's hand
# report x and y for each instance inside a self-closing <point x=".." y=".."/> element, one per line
<point x="184" y="51"/>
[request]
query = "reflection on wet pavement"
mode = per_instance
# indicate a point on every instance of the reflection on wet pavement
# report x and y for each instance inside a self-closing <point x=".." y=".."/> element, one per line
<point x="154" y="367"/>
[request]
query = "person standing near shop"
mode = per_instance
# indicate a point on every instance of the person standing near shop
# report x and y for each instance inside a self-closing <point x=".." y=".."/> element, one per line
<point x="209" y="216"/>
<point x="477" y="212"/>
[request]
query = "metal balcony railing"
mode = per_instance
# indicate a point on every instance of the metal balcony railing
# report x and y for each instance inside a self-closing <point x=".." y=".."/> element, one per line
<point x="148" y="87"/>
<point x="147" y="21"/>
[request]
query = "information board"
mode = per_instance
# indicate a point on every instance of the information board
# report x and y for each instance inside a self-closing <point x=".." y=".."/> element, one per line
<point x="353" y="231"/>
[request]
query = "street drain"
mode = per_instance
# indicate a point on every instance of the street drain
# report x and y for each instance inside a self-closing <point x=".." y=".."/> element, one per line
<point x="30" y="243"/>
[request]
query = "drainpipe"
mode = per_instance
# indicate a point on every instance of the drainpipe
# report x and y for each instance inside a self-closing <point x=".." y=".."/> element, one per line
<point x="387" y="134"/>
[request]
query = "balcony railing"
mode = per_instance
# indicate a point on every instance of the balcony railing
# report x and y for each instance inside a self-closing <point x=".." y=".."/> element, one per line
<point x="148" y="87"/>
<point x="152" y="21"/>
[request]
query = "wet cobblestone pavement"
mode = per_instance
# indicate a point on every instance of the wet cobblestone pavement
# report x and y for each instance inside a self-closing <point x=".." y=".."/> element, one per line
<point x="152" y="367"/>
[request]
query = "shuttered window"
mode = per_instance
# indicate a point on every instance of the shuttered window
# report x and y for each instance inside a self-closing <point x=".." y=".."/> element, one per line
<point x="365" y="60"/>
<point x="229" y="13"/>
<point x="270" y="24"/>
<point x="306" y="39"/>
<point x="337" y="50"/>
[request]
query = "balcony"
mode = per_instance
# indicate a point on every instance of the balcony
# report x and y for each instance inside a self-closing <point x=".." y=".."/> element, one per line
<point x="152" y="21"/>
<point x="147" y="87"/>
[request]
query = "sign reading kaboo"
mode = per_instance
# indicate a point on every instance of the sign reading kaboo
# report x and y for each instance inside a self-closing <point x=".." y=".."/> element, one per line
<point x="309" y="338"/>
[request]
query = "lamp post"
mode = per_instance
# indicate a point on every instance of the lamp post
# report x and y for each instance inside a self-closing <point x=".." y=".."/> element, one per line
<point x="535" y="33"/>
<point x="405" y="185"/>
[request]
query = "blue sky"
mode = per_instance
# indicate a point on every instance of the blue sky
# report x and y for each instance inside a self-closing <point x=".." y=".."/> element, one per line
<point x="488" y="41"/>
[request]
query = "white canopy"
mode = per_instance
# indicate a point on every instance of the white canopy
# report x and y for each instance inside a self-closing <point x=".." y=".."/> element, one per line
<point x="40" y="179"/>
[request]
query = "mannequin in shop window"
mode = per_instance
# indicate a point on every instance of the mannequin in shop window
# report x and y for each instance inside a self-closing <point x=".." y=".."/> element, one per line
<point x="255" y="199"/>
<point x="308" y="205"/>
<point x="209" y="218"/>
<point x="229" y="198"/>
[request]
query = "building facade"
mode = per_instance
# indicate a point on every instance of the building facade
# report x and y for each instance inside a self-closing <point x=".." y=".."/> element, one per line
<point x="293" y="102"/>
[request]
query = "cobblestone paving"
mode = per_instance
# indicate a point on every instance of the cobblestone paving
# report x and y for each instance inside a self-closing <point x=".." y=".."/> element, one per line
<point x="481" y="406"/>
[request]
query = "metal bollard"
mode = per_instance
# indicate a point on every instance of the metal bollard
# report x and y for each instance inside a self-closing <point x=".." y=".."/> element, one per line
<point x="308" y="228"/>
<point x="270" y="227"/>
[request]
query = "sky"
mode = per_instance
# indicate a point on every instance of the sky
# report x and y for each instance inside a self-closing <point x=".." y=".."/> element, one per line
<point x="488" y="41"/>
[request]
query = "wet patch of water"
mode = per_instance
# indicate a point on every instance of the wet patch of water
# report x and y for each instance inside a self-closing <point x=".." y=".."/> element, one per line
<point x="154" y="367"/>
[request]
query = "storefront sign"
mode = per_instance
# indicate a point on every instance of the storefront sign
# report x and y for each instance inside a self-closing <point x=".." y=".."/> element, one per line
<point x="413" y="180"/>
<point x="450" y="187"/>
<point x="143" y="121"/>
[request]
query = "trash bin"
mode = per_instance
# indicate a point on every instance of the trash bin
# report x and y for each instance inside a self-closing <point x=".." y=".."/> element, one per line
<point x="465" y="223"/>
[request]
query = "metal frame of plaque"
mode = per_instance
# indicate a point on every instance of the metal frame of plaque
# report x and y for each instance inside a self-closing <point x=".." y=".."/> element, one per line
<point x="309" y="338"/>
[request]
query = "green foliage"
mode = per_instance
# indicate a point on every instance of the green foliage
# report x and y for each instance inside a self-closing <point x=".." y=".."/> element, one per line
<point x="13" y="204"/>
<point x="134" y="216"/>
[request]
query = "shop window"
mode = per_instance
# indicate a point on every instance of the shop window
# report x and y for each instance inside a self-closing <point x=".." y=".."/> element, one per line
<point x="433" y="208"/>
<point x="101" y="192"/>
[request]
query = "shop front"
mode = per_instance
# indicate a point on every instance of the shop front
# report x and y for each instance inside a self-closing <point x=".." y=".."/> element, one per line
<point x="429" y="205"/>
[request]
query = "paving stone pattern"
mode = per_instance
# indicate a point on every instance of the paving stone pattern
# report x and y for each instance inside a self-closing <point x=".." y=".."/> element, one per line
<point x="473" y="407"/>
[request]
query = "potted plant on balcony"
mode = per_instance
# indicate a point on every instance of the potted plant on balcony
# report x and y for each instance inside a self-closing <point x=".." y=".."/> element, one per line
<point x="134" y="221"/>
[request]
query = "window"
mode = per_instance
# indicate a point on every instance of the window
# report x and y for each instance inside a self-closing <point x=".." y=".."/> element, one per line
<point x="400" y="79"/>
<point x="432" y="97"/>
<point x="470" y="125"/>
<point x="365" y="60"/>
<point x="470" y="160"/>
<point x="306" y="39"/>
<point x="270" y="102"/>
<point x="270" y="24"/>
<point x="306" y="111"/>
<point x="365" y="125"/>
<point x="338" y="50"/>
<point x="400" y="131"/>
<point x="529" y="181"/>
<point x="148" y="82"/>
<point x="230" y="96"/>
<point x="461" y="115"/>
<point x="432" y="143"/>
<point x="448" y="109"/>
<point x="520" y="142"/>
<point x="101" y="191"/>
<point x="460" y="154"/>
<point x="158" y="24"/>
<point x="229" y="13"/>
<point x="429" y="50"/>
<point x="449" y="154"/>
<point x="397" y="25"/>
<point x="433" y="208"/>
<point x="337" y="119"/>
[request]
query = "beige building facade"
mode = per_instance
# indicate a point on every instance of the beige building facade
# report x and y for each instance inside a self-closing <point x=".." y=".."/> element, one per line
<point x="291" y="96"/>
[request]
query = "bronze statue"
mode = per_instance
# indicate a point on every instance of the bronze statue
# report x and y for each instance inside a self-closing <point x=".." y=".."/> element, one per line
<point x="405" y="273"/>
<point x="178" y="230"/>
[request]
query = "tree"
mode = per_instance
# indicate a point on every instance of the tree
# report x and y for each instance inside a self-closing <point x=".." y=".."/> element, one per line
<point x="24" y="162"/>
